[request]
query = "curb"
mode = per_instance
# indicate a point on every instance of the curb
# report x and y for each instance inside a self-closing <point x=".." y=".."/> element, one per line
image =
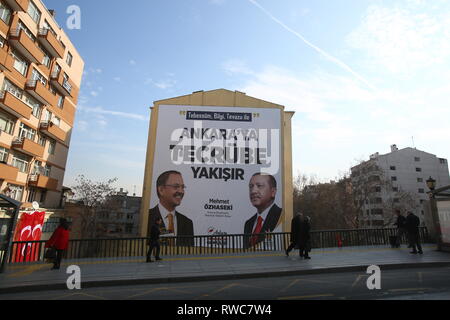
<point x="128" y="282"/>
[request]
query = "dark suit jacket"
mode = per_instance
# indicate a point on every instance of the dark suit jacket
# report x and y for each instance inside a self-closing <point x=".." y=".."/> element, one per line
<point x="269" y="224"/>
<point x="185" y="227"/>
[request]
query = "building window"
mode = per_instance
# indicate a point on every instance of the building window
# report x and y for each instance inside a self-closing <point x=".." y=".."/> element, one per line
<point x="46" y="61"/>
<point x="35" y="75"/>
<point x="52" y="147"/>
<point x="47" y="169"/>
<point x="15" y="91"/>
<point x="56" y="121"/>
<point x="6" y="124"/>
<point x="20" y="64"/>
<point x="416" y="159"/>
<point x="20" y="162"/>
<point x="395" y="189"/>
<point x="393" y="168"/>
<point x="32" y="195"/>
<point x="48" y="115"/>
<point x="48" y="27"/>
<point x="60" y="101"/>
<point x="26" y="132"/>
<point x="3" y="155"/>
<point x="69" y="59"/>
<point x="396" y="200"/>
<point x="15" y="192"/>
<point x="2" y="41"/>
<point x="421" y="190"/>
<point x="33" y="104"/>
<point x="34" y="12"/>
<point x="21" y="26"/>
<point x="419" y="179"/>
<point x="41" y="140"/>
<point x="5" y="13"/>
<point x="43" y="196"/>
<point x="418" y="169"/>
<point x="393" y="178"/>
<point x="442" y="161"/>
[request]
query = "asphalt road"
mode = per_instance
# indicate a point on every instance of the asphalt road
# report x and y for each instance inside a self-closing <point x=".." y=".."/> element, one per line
<point x="406" y="284"/>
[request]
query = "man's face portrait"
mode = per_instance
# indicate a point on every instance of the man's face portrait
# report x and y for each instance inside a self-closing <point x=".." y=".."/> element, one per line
<point x="172" y="192"/>
<point x="261" y="192"/>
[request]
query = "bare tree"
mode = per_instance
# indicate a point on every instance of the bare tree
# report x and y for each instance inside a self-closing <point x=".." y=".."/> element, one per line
<point x="330" y="205"/>
<point x="375" y="194"/>
<point x="93" y="199"/>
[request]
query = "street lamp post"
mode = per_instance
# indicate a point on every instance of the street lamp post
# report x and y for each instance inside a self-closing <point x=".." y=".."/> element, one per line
<point x="431" y="184"/>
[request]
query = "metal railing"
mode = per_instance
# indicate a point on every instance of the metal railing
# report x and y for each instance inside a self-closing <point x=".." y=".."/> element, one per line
<point x="111" y="248"/>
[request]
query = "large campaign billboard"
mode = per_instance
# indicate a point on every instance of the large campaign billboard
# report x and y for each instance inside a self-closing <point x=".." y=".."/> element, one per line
<point x="217" y="170"/>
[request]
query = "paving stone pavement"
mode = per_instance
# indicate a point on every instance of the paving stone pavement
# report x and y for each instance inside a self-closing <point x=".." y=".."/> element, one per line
<point x="128" y="271"/>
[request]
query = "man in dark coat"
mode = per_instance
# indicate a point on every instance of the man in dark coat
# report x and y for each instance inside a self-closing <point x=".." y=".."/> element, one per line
<point x="262" y="189"/>
<point x="412" y="227"/>
<point x="400" y="223"/>
<point x="170" y="189"/>
<point x="295" y="232"/>
<point x="304" y="238"/>
<point x="154" y="241"/>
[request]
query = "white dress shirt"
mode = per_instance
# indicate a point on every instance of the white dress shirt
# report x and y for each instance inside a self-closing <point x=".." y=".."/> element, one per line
<point x="263" y="215"/>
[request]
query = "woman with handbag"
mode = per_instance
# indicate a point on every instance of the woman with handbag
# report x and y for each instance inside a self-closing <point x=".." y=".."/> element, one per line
<point x="59" y="241"/>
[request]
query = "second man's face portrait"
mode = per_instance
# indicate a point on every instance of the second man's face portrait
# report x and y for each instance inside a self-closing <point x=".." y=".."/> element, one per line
<point x="262" y="193"/>
<point x="172" y="192"/>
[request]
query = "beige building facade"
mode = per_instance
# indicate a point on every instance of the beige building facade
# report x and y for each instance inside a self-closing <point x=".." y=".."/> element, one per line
<point x="40" y="77"/>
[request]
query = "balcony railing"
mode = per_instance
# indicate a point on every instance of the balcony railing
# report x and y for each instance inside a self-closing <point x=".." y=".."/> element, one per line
<point x="52" y="130"/>
<point x="25" y="45"/>
<point x="14" y="105"/>
<point x="50" y="42"/>
<point x="112" y="248"/>
<point x="56" y="76"/>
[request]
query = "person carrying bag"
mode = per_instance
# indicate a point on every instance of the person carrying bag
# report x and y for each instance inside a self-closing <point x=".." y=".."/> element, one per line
<point x="58" y="243"/>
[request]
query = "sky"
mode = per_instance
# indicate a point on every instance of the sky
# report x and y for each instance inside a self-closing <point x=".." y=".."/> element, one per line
<point x="360" y="75"/>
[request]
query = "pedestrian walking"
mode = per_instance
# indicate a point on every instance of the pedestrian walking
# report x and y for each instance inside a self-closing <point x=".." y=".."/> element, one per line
<point x="59" y="241"/>
<point x="304" y="243"/>
<point x="295" y="232"/>
<point x="412" y="227"/>
<point x="154" y="240"/>
<point x="401" y="227"/>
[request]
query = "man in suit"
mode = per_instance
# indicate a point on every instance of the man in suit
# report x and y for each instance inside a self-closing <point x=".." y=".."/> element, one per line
<point x="170" y="190"/>
<point x="263" y="189"/>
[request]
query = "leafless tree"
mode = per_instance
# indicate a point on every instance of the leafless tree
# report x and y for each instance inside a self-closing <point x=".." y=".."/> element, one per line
<point x="93" y="199"/>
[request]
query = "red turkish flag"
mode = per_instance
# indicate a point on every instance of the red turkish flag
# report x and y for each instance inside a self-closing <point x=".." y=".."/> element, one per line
<point x="29" y="228"/>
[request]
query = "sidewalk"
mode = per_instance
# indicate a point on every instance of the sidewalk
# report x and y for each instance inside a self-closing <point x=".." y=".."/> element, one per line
<point x="134" y="271"/>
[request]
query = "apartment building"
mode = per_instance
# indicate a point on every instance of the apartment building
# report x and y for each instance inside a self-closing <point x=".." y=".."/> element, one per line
<point x="40" y="77"/>
<point x="393" y="176"/>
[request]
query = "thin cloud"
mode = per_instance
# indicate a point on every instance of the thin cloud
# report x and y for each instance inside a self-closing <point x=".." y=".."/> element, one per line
<point x="100" y="110"/>
<point x="319" y="50"/>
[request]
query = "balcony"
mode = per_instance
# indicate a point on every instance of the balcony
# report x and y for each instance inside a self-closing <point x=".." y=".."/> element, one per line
<point x="63" y="85"/>
<point x="41" y="181"/>
<point x="40" y="92"/>
<point x="4" y="28"/>
<point x="53" y="131"/>
<point x="8" y="172"/>
<point x="49" y="41"/>
<point x="6" y="60"/>
<point x="18" y="5"/>
<point x="14" y="105"/>
<point x="28" y="147"/>
<point x="27" y="47"/>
